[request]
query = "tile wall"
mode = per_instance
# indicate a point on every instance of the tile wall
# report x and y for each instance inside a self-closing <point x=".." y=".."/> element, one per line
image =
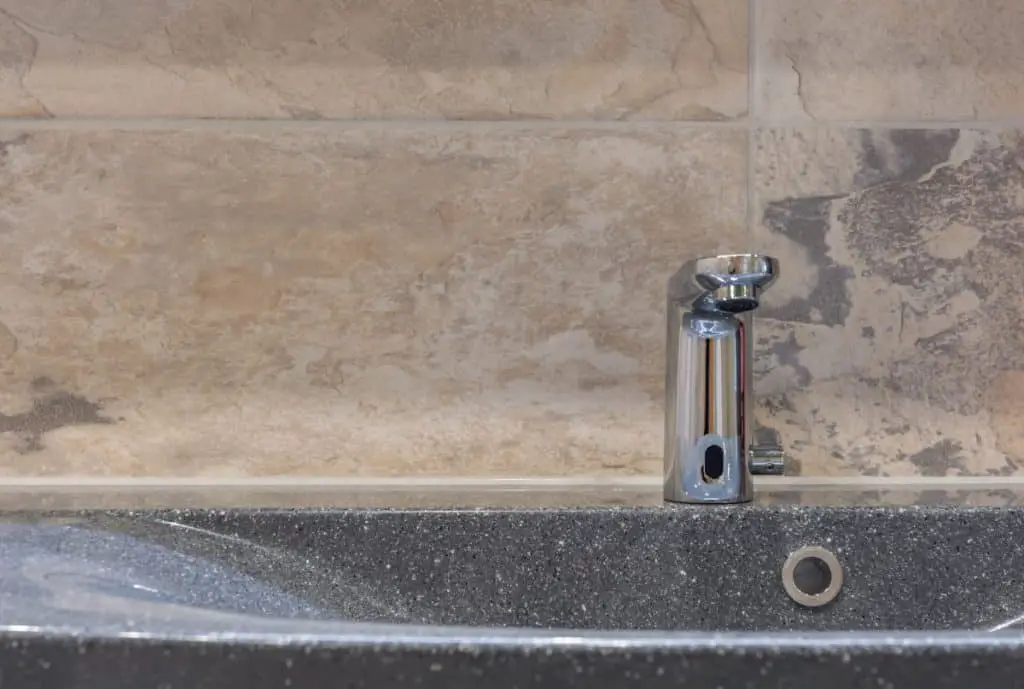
<point x="419" y="238"/>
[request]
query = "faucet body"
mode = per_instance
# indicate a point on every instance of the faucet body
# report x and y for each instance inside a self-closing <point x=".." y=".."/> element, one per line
<point x="709" y="439"/>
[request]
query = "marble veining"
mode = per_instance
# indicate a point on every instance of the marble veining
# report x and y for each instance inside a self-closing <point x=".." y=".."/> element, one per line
<point x="395" y="302"/>
<point x="348" y="59"/>
<point x="338" y="237"/>
<point x="894" y="341"/>
<point x="896" y="60"/>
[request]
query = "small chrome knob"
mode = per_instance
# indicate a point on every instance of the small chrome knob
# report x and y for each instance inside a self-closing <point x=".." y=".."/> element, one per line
<point x="767" y="458"/>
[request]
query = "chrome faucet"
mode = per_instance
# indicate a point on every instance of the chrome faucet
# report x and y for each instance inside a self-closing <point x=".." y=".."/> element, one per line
<point x="710" y="450"/>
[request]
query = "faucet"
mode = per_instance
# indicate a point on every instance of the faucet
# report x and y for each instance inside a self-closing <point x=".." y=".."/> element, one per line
<point x="710" y="448"/>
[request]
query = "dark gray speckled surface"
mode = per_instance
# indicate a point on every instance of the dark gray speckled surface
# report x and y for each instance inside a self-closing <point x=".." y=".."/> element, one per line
<point x="686" y="568"/>
<point x="631" y="595"/>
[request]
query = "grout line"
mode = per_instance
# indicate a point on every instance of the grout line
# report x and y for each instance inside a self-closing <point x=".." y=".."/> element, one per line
<point x="321" y="483"/>
<point x="753" y="74"/>
<point x="893" y="482"/>
<point x="284" y="125"/>
<point x="278" y="125"/>
<point x="315" y="483"/>
<point x="751" y="186"/>
<point x="752" y="78"/>
<point x="752" y="210"/>
<point x="1010" y="123"/>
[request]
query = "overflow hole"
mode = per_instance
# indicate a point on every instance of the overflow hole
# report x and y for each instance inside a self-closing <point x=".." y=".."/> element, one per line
<point x="812" y="576"/>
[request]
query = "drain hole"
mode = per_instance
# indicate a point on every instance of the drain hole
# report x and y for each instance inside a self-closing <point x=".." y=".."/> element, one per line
<point x="812" y="576"/>
<point x="714" y="463"/>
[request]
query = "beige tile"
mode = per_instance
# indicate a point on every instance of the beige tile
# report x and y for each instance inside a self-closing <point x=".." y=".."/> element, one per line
<point x="435" y="300"/>
<point x="890" y="59"/>
<point x="892" y="343"/>
<point x="468" y="59"/>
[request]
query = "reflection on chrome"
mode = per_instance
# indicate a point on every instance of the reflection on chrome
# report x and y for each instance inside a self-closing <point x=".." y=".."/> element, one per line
<point x="709" y="441"/>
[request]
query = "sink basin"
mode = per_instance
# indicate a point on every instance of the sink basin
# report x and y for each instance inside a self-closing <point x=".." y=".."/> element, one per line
<point x="644" y="568"/>
<point x="608" y="589"/>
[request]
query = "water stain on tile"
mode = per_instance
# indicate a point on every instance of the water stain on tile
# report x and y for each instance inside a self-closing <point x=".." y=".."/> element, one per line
<point x="939" y="459"/>
<point x="787" y="353"/>
<point x="806" y="222"/>
<point x="901" y="155"/>
<point x="52" y="409"/>
<point x="909" y="339"/>
<point x="6" y="146"/>
<point x="1011" y="468"/>
<point x="8" y="342"/>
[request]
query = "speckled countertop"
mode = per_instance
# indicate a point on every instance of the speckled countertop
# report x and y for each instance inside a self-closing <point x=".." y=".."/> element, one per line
<point x="505" y="584"/>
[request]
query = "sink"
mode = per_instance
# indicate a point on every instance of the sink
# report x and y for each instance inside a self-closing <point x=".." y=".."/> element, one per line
<point x="642" y="568"/>
<point x="606" y="588"/>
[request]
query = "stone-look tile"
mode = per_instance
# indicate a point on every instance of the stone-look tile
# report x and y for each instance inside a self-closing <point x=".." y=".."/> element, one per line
<point x="390" y="301"/>
<point x="889" y="59"/>
<point x="893" y="340"/>
<point x="467" y="59"/>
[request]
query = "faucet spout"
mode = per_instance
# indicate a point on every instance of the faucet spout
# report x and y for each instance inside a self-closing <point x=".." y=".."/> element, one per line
<point x="732" y="283"/>
<point x="709" y="377"/>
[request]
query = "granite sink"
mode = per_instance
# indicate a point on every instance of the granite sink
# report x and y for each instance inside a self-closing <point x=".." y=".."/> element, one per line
<point x="604" y="587"/>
